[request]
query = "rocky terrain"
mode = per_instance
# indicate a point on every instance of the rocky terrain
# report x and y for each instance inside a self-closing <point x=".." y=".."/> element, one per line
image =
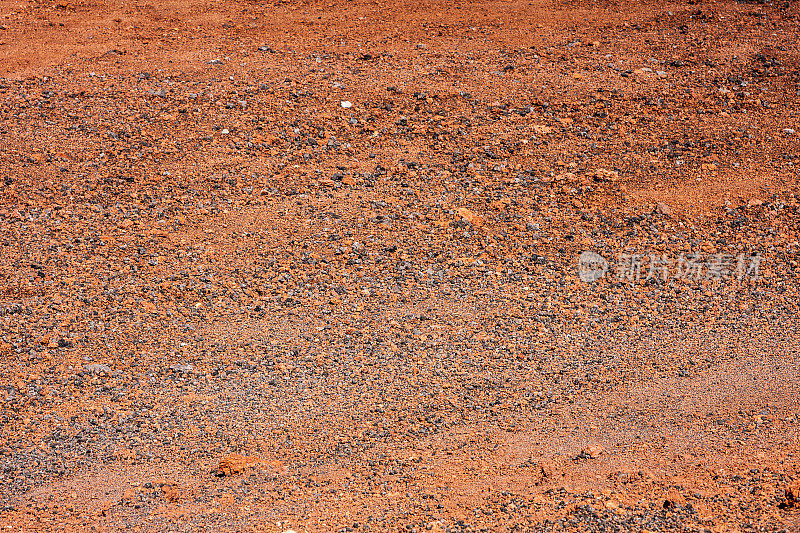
<point x="317" y="266"/>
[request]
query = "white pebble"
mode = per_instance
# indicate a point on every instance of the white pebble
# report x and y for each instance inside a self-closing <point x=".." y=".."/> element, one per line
<point x="346" y="104"/>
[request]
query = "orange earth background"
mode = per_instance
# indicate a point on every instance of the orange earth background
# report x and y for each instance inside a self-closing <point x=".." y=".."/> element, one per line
<point x="311" y="266"/>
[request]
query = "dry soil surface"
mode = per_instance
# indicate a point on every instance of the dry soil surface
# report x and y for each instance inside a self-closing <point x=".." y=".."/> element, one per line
<point x="315" y="266"/>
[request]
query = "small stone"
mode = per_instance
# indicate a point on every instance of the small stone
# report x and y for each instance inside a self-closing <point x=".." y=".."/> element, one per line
<point x="602" y="174"/>
<point x="346" y="104"/>
<point x="182" y="367"/>
<point x="470" y="216"/>
<point x="663" y="209"/>
<point x="235" y="463"/>
<point x="593" y="451"/>
<point x="436" y="527"/>
<point x="172" y="493"/>
<point x="97" y="368"/>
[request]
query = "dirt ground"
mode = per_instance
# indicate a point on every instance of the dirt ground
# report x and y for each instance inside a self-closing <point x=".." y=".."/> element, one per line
<point x="406" y="266"/>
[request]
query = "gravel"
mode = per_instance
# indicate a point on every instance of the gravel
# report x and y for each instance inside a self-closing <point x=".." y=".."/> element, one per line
<point x="378" y="312"/>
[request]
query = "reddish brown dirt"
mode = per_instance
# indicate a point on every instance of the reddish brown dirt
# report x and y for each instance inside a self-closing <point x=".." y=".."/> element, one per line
<point x="231" y="303"/>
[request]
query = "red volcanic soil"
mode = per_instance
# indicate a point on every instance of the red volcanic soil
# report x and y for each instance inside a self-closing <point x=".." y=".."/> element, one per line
<point x="318" y="266"/>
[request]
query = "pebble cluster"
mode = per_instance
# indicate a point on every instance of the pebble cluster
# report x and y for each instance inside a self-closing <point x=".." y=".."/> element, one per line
<point x="326" y="275"/>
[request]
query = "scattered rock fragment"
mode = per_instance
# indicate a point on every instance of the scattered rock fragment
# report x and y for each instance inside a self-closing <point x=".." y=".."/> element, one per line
<point x="97" y="369"/>
<point x="172" y="493"/>
<point x="593" y="451"/>
<point x="611" y="504"/>
<point x="791" y="498"/>
<point x="470" y="216"/>
<point x="235" y="463"/>
<point x="182" y="367"/>
<point x="602" y="174"/>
